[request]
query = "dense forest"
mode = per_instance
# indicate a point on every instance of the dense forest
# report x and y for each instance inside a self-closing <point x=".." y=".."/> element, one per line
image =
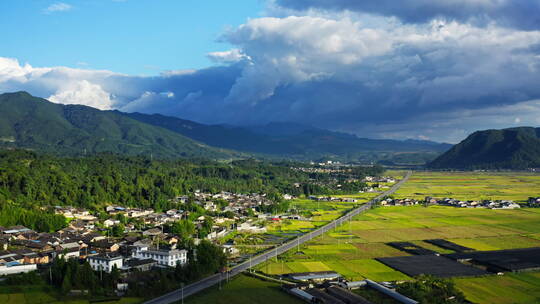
<point x="29" y="179"/>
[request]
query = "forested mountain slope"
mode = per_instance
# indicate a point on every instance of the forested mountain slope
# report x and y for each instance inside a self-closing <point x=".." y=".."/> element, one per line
<point x="514" y="148"/>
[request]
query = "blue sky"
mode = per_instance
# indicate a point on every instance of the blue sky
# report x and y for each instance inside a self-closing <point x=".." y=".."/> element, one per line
<point x="131" y="36"/>
<point x="438" y="69"/>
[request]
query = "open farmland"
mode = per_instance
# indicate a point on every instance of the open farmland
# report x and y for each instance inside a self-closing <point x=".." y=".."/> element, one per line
<point x="516" y="186"/>
<point x="319" y="213"/>
<point x="352" y="248"/>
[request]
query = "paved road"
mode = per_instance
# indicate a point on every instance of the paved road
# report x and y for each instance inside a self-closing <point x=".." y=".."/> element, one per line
<point x="198" y="286"/>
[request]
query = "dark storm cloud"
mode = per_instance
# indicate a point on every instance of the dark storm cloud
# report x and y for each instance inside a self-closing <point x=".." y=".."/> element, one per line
<point x="521" y="14"/>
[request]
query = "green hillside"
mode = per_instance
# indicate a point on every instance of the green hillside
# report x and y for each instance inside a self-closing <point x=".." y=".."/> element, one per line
<point x="515" y="148"/>
<point x="36" y="124"/>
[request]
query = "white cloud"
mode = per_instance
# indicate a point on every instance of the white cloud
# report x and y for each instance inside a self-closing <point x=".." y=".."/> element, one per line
<point x="404" y="65"/>
<point x="229" y="56"/>
<point x="177" y="73"/>
<point x="83" y="92"/>
<point x="59" y="84"/>
<point x="57" y="7"/>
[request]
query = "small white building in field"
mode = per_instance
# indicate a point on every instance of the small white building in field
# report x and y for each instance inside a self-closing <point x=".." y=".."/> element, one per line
<point x="105" y="263"/>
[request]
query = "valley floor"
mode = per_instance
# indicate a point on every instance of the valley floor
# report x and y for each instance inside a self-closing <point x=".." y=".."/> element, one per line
<point x="352" y="249"/>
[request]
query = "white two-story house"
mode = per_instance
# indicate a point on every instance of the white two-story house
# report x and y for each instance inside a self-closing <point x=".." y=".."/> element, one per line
<point x="105" y="263"/>
<point x="164" y="257"/>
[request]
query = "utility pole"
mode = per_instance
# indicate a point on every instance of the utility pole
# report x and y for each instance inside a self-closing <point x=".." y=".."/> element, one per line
<point x="350" y="230"/>
<point x="182" y="285"/>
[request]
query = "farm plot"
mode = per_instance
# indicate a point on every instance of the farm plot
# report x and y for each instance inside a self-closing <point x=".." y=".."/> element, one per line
<point x="411" y="248"/>
<point x="510" y="288"/>
<point x="431" y="265"/>
<point x="448" y="245"/>
<point x="503" y="260"/>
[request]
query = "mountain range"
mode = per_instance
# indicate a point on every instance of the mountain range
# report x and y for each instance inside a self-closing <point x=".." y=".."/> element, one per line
<point x="35" y="123"/>
<point x="514" y="148"/>
<point x="285" y="139"/>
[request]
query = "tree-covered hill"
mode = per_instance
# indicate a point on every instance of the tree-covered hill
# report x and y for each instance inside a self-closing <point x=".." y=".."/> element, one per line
<point x="34" y="123"/>
<point x="514" y="148"/>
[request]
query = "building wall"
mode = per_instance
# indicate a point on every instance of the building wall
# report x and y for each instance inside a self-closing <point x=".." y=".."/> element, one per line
<point x="162" y="258"/>
<point x="17" y="269"/>
<point x="105" y="265"/>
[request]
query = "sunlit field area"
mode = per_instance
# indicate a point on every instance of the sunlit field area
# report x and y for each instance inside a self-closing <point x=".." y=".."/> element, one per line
<point x="352" y="248"/>
<point x="516" y="186"/>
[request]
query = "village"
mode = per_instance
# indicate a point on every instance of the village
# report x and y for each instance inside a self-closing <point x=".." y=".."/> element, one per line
<point x="130" y="239"/>
<point x="488" y="204"/>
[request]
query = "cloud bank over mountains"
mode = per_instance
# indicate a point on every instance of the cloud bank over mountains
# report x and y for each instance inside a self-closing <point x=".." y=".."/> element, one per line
<point x="422" y="69"/>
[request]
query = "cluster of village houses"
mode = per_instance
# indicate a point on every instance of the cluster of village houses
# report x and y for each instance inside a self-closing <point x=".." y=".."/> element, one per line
<point x="23" y="249"/>
<point x="82" y="240"/>
<point x="489" y="204"/>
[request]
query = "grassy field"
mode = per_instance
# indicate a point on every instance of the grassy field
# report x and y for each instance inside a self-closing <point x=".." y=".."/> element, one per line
<point x="243" y="289"/>
<point x="472" y="185"/>
<point x="32" y="294"/>
<point x="510" y="288"/>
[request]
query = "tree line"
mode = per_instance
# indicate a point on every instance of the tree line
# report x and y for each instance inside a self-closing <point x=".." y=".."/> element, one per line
<point x="27" y="178"/>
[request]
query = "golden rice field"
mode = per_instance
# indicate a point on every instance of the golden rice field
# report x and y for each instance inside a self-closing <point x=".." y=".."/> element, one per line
<point x="516" y="186"/>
